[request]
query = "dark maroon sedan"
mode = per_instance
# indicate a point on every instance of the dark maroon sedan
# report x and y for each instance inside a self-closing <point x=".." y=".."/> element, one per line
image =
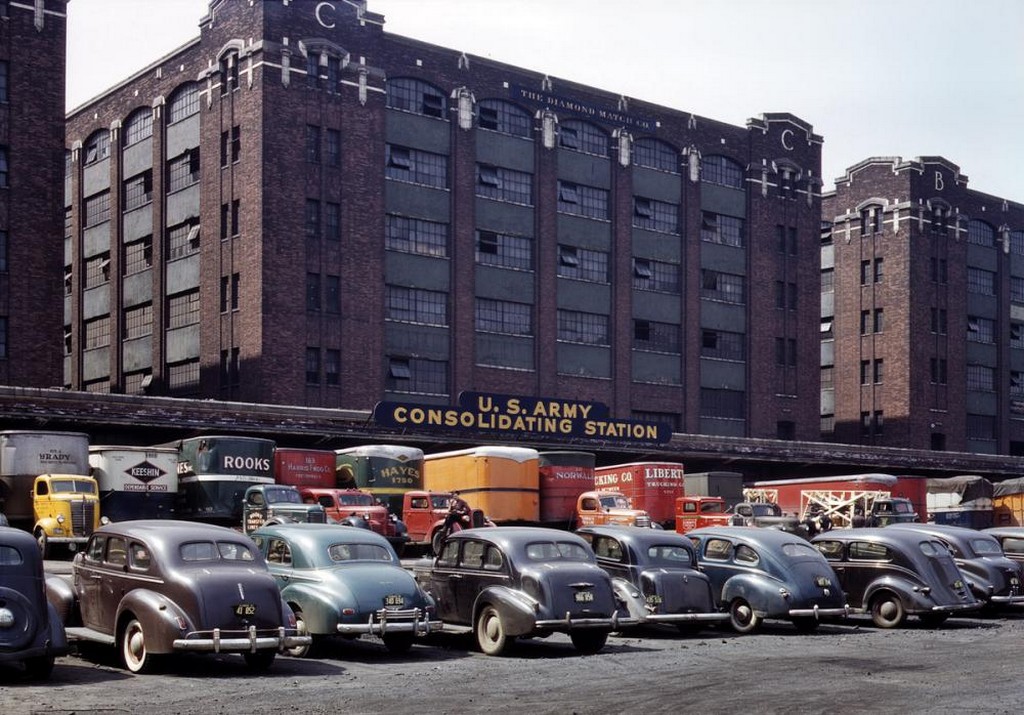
<point x="153" y="588"/>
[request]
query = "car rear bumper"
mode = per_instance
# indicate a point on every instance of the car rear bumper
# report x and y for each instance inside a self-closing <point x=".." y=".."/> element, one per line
<point x="14" y="656"/>
<point x="386" y="621"/>
<point x="249" y="641"/>
<point x="819" y="613"/>
<point x="686" y="617"/>
<point x="569" y="623"/>
<point x="1007" y="600"/>
<point x="949" y="608"/>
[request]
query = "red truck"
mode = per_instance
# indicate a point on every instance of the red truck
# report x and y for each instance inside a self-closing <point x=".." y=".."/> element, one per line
<point x="355" y="507"/>
<point x="697" y="512"/>
<point x="650" y="486"/>
<point x="424" y="513"/>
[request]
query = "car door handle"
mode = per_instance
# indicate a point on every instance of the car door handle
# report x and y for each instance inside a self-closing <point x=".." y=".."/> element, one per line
<point x="455" y="576"/>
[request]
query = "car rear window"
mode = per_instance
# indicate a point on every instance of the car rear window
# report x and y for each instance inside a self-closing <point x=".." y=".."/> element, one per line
<point x="1012" y="545"/>
<point x="669" y="555"/>
<point x="986" y="547"/>
<point x="867" y="551"/>
<point x="797" y="550"/>
<point x="9" y="556"/>
<point x="210" y="551"/>
<point x="555" y="550"/>
<point x="358" y="552"/>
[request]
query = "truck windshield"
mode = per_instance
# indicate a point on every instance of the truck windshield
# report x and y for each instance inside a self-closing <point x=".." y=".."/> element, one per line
<point x="615" y="502"/>
<point x="77" y="486"/>
<point x="712" y="507"/>
<point x="283" y="496"/>
<point x="762" y="509"/>
<point x="355" y="500"/>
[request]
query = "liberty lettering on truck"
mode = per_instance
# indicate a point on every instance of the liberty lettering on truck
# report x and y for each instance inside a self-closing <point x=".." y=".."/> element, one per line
<point x="135" y="482"/>
<point x="651" y="486"/>
<point x="215" y="470"/>
<point x="24" y="455"/>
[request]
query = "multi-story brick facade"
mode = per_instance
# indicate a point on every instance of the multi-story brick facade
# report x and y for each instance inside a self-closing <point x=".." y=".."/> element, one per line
<point x="922" y="310"/>
<point x="32" y="40"/>
<point x="305" y="209"/>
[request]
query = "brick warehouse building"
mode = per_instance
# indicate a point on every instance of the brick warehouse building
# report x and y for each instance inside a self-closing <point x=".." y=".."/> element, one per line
<point x="32" y="51"/>
<point x="922" y="310"/>
<point x="298" y="207"/>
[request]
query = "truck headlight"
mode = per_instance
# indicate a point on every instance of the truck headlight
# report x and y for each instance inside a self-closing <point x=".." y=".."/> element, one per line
<point x="60" y="518"/>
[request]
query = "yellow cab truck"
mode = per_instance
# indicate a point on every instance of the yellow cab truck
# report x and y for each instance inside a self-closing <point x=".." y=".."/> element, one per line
<point x="66" y="508"/>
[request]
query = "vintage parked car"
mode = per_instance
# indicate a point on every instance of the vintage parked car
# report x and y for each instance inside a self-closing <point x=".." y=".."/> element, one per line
<point x="31" y="632"/>
<point x="893" y="572"/>
<point x="510" y="581"/>
<point x="153" y="588"/>
<point x="655" y="573"/>
<point x="1011" y="540"/>
<point x="994" y="579"/>
<point x="344" y="581"/>
<point x="759" y="573"/>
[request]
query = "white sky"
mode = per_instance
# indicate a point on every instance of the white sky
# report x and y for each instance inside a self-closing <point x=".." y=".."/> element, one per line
<point x="875" y="77"/>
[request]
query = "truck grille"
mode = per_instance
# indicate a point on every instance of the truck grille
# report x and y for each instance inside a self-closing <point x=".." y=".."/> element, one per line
<point x="83" y="515"/>
<point x="318" y="517"/>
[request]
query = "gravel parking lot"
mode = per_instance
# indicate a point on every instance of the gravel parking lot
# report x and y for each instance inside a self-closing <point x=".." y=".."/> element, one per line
<point x="970" y="665"/>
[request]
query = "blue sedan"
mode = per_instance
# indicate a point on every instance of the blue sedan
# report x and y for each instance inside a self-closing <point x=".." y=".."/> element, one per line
<point x="345" y="581"/>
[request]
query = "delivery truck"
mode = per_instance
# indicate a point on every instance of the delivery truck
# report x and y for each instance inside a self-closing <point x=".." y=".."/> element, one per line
<point x="135" y="482"/>
<point x="26" y="454"/>
<point x="650" y="486"/>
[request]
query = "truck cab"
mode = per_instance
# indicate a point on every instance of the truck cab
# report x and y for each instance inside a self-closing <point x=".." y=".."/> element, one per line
<point x="895" y="510"/>
<point x="342" y="504"/>
<point x="66" y="510"/>
<point x="424" y="512"/>
<point x="277" y="504"/>
<point x="698" y="512"/>
<point x="599" y="508"/>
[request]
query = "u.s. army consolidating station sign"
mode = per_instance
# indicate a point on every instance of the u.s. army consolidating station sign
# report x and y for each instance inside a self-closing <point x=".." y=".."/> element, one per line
<point x="513" y="416"/>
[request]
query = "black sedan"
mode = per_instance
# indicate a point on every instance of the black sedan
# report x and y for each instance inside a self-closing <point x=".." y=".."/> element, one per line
<point x="504" y="582"/>
<point x="758" y="573"/>
<point x="655" y="572"/>
<point x="31" y="632"/>
<point x="894" y="572"/>
<point x="994" y="579"/>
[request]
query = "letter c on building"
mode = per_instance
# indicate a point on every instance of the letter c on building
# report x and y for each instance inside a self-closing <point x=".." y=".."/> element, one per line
<point x="786" y="141"/>
<point x="320" y="17"/>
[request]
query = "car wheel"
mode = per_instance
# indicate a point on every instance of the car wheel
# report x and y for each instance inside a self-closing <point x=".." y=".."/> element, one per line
<point x="933" y="620"/>
<point x="806" y="625"/>
<point x="44" y="543"/>
<point x="588" y="642"/>
<point x="742" y="617"/>
<point x="134" y="655"/>
<point x="299" y="651"/>
<point x="398" y="643"/>
<point x="39" y="668"/>
<point x="887" y="610"/>
<point x="260" y="660"/>
<point x="490" y="632"/>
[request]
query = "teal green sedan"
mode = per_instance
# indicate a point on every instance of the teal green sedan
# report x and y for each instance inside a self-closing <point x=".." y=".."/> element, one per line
<point x="345" y="581"/>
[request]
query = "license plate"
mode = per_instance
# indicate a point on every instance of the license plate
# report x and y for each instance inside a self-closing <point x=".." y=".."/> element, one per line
<point x="958" y="584"/>
<point x="654" y="599"/>
<point x="1014" y="581"/>
<point x="823" y="581"/>
<point x="245" y="609"/>
<point x="583" y="596"/>
<point x="394" y="600"/>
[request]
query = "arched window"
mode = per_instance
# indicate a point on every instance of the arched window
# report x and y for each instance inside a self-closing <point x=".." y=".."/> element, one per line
<point x="501" y="116"/>
<point x="583" y="137"/>
<point x="97" y="146"/>
<point x="413" y="95"/>
<point x="184" y="102"/>
<point x="655" y="154"/>
<point x="229" y="72"/>
<point x="721" y="170"/>
<point x="139" y="126"/>
<point x="980" y="233"/>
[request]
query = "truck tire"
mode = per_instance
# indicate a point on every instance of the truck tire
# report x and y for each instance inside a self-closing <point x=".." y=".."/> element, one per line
<point x="44" y="543"/>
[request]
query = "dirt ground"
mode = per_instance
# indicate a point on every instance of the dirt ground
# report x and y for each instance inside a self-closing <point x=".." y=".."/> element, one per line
<point x="968" y="665"/>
